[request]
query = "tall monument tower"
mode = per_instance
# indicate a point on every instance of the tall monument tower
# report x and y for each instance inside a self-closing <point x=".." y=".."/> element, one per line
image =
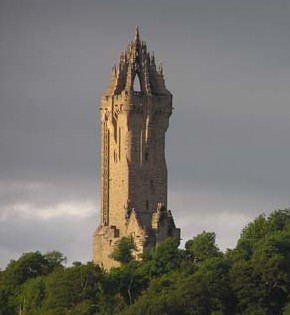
<point x="135" y="111"/>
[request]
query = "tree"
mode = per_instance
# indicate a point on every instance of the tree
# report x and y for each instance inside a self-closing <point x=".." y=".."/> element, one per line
<point x="287" y="309"/>
<point x="279" y="220"/>
<point x="206" y="291"/>
<point x="32" y="294"/>
<point x="55" y="259"/>
<point x="202" y="247"/>
<point x="29" y="266"/>
<point x="260" y="273"/>
<point x="123" y="251"/>
<point x="68" y="287"/>
<point x="165" y="257"/>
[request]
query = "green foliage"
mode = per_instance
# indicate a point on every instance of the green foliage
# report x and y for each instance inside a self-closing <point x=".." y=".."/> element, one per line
<point x="160" y="298"/>
<point x="32" y="294"/>
<point x="252" y="279"/>
<point x="287" y="309"/>
<point x="123" y="251"/>
<point x="202" y="247"/>
<point x="260" y="228"/>
<point x="122" y="286"/>
<point x="261" y="264"/>
<point x="29" y="265"/>
<point x="55" y="259"/>
<point x="164" y="258"/>
<point x="85" y="307"/>
<point x="206" y="291"/>
<point x="66" y="288"/>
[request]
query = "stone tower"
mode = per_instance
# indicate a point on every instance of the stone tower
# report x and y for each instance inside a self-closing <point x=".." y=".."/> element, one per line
<point x="135" y="111"/>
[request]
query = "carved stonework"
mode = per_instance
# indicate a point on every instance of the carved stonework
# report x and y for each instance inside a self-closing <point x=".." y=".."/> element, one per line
<point x="133" y="170"/>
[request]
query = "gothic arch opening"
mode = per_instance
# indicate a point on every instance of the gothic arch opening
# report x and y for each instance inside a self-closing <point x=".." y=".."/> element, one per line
<point x="137" y="84"/>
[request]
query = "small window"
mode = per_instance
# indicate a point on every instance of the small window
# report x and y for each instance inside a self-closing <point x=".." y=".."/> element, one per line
<point x="115" y="156"/>
<point x="147" y="205"/>
<point x="146" y="156"/>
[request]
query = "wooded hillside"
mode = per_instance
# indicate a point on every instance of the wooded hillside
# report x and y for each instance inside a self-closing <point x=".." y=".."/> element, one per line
<point x="252" y="279"/>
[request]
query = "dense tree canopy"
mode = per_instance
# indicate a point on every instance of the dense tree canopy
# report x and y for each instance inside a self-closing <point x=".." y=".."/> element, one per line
<point x="123" y="251"/>
<point x="251" y="279"/>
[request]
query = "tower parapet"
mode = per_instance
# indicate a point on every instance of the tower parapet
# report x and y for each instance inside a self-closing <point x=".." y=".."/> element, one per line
<point x="133" y="171"/>
<point x="137" y="63"/>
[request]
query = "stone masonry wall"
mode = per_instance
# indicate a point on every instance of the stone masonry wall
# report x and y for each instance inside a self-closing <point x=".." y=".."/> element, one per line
<point x="133" y="170"/>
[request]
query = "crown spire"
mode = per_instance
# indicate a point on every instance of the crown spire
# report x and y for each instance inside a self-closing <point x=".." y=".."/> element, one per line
<point x="136" y="61"/>
<point x="152" y="59"/>
<point x="137" y="36"/>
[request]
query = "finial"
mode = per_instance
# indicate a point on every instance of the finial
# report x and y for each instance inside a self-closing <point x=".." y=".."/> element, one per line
<point x="119" y="68"/>
<point x="137" y="36"/>
<point x="122" y="57"/>
<point x="114" y="70"/>
<point x="152" y="59"/>
<point x="160" y="69"/>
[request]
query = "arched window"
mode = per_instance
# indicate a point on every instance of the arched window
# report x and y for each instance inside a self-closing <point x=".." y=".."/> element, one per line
<point x="146" y="156"/>
<point x="137" y="84"/>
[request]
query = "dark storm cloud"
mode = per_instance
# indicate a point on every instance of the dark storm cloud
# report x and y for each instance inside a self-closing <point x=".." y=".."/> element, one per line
<point x="226" y="63"/>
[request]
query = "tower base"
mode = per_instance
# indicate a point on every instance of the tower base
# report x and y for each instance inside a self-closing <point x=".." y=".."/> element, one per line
<point x="145" y="238"/>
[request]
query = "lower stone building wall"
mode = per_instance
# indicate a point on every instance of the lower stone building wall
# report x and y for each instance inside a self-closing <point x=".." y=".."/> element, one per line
<point x="145" y="238"/>
<point x="105" y="239"/>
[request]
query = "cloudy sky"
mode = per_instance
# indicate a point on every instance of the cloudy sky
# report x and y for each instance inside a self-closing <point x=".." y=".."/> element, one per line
<point x="228" y="146"/>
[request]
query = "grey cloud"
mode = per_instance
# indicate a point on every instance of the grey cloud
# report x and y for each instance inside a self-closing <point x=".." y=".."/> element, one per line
<point x="46" y="194"/>
<point x="249" y="153"/>
<point x="71" y="235"/>
<point x="226" y="213"/>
